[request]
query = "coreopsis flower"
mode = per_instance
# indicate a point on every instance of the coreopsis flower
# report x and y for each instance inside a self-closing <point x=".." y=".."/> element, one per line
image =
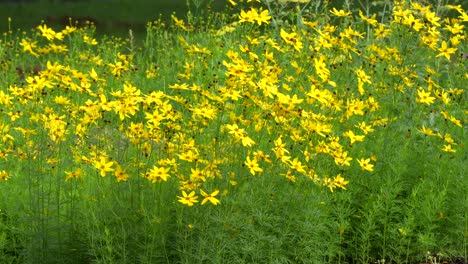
<point x="280" y="147"/>
<point x="288" y="100"/>
<point x="372" y="104"/>
<point x="381" y="31"/>
<point x="118" y="68"/>
<point x="246" y="140"/>
<point x="322" y="95"/>
<point x="4" y="175"/>
<point x="61" y="100"/>
<point x="206" y="111"/>
<point x="120" y="174"/>
<point x="448" y="148"/>
<point x="253" y="16"/>
<point x="290" y="176"/>
<point x="297" y="166"/>
<point x="321" y="68"/>
<point x="29" y="46"/>
<point x="291" y="39"/>
<point x="340" y="182"/>
<point x="263" y="17"/>
<point x="366" y="165"/>
<point x="372" y="21"/>
<point x="210" y="197"/>
<point x="352" y="137"/>
<point x="157" y="174"/>
<point x="409" y="20"/>
<point x="427" y="131"/>
<point x="154" y="118"/>
<point x="248" y="16"/>
<point x="326" y="181"/>
<point x="67" y="30"/>
<point x="425" y="97"/>
<point x="49" y="33"/>
<point x="89" y="40"/>
<point x="445" y="50"/>
<point x="365" y="128"/>
<point x="57" y="48"/>
<point x="432" y="18"/>
<point x="355" y="107"/>
<point x="340" y="13"/>
<point x="179" y="23"/>
<point x="362" y="78"/>
<point x="247" y="50"/>
<point x="341" y="158"/>
<point x="5" y="99"/>
<point x="188" y="199"/>
<point x="197" y="175"/>
<point x="455" y="29"/>
<point x="252" y="165"/>
<point x="76" y="174"/>
<point x="189" y="155"/>
<point x="103" y="165"/>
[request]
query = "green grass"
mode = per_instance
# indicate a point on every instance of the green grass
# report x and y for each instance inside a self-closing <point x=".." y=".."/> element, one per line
<point x="70" y="120"/>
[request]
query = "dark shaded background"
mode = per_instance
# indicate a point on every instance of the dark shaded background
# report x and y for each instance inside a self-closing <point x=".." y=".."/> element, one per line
<point x="115" y="16"/>
<point x="109" y="16"/>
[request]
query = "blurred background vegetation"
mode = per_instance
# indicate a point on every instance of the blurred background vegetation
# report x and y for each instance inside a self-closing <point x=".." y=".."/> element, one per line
<point x="116" y="17"/>
<point x="109" y="16"/>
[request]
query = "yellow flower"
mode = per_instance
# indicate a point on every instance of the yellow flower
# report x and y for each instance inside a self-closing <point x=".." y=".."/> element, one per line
<point x="362" y="78"/>
<point x="427" y="131"/>
<point x="248" y="16"/>
<point x="103" y="165"/>
<point x="291" y="39"/>
<point x="448" y="148"/>
<point x="340" y="182"/>
<point x="366" y="165"/>
<point x="297" y="166"/>
<point x="61" y="100"/>
<point x="263" y="17"/>
<point x="246" y="140"/>
<point x="49" y="33"/>
<point x="67" y="30"/>
<point x="341" y="158"/>
<point x="445" y="50"/>
<point x="329" y="183"/>
<point x="210" y="197"/>
<point x="370" y="20"/>
<point x="77" y="174"/>
<point x="425" y="97"/>
<point x="432" y="17"/>
<point x="353" y="137"/>
<point x="290" y="176"/>
<point x="157" y="174"/>
<point x="179" y="23"/>
<point x="29" y="46"/>
<point x="89" y="40"/>
<point x="252" y="165"/>
<point x="365" y="128"/>
<point x="120" y="174"/>
<point x="382" y="31"/>
<point x="189" y="155"/>
<point x="118" y="68"/>
<point x="4" y="175"/>
<point x="188" y="199"/>
<point x="340" y="13"/>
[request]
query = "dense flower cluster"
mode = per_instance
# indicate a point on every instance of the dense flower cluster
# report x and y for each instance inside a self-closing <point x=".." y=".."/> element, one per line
<point x="299" y="104"/>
